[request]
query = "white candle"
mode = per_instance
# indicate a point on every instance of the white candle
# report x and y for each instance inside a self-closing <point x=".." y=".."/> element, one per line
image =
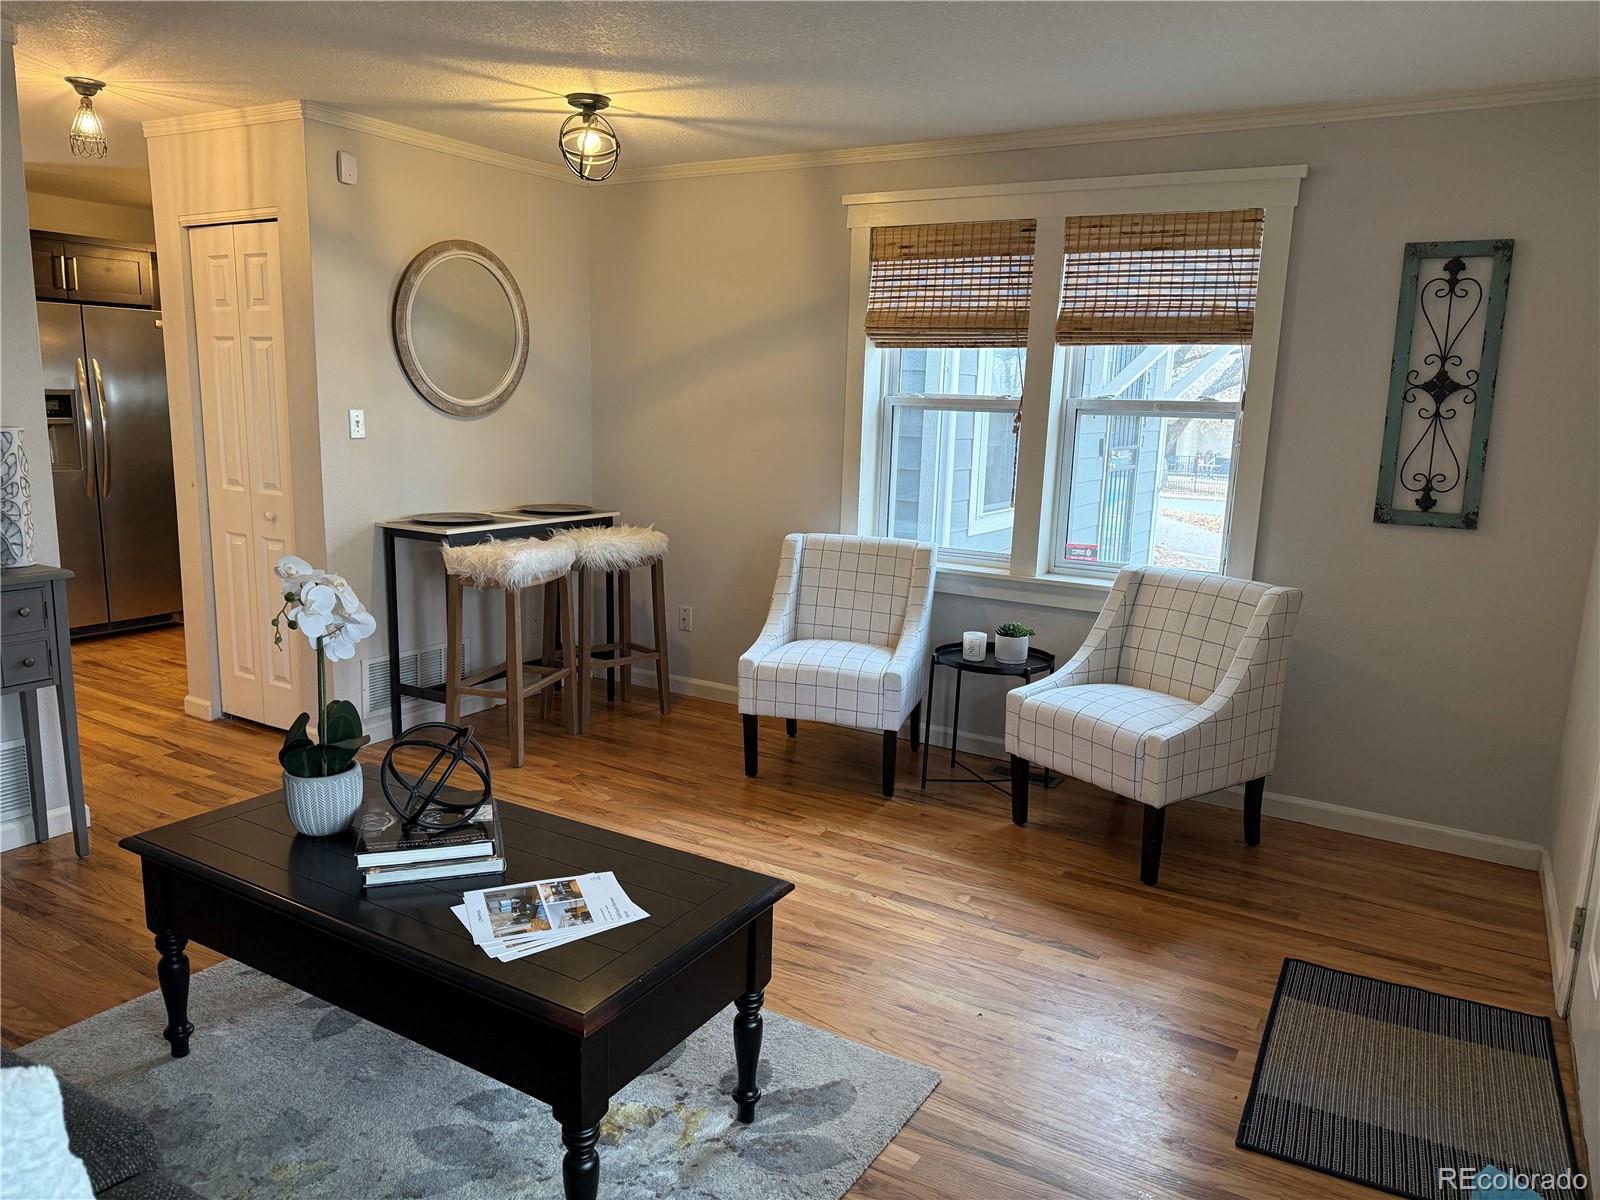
<point x="974" y="645"/>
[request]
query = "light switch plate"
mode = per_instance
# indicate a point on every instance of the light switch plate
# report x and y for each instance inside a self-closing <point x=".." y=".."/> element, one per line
<point x="358" y="422"/>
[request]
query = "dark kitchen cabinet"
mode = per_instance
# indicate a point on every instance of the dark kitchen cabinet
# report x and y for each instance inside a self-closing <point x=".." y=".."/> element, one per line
<point x="93" y="271"/>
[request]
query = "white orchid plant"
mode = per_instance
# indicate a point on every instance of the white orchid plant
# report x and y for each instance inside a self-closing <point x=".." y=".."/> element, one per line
<point x="325" y="608"/>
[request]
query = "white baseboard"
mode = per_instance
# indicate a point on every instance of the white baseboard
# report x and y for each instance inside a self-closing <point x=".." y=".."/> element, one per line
<point x="18" y="831"/>
<point x="687" y="685"/>
<point x="1562" y="959"/>
<point x="1422" y="834"/>
<point x="201" y="708"/>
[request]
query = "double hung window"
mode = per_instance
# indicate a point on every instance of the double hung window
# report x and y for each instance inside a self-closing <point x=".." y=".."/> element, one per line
<point x="1106" y="430"/>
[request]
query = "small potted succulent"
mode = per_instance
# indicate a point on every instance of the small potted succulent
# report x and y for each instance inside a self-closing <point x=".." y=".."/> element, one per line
<point x="1011" y="642"/>
<point x="322" y="782"/>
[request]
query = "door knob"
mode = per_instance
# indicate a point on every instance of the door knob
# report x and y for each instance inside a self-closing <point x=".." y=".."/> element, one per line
<point x="271" y="517"/>
<point x="24" y="611"/>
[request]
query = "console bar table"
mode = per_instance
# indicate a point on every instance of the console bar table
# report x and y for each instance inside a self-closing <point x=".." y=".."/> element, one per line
<point x="501" y="526"/>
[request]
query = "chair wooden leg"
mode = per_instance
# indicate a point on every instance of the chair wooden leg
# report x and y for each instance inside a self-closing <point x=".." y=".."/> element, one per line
<point x="625" y="630"/>
<point x="791" y="726"/>
<point x="891" y="743"/>
<point x="1253" y="792"/>
<point x="585" y="684"/>
<point x="452" y="650"/>
<point x="1155" y="824"/>
<point x="514" y="698"/>
<point x="749" y="744"/>
<point x="549" y="643"/>
<point x="916" y="727"/>
<point x="1019" y="789"/>
<point x="658" y="601"/>
<point x="567" y="590"/>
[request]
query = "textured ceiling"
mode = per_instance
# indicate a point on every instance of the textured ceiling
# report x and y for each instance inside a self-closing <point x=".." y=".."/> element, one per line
<point x="696" y="81"/>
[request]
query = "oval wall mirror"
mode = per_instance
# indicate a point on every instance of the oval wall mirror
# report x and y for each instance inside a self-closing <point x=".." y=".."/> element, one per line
<point x="461" y="328"/>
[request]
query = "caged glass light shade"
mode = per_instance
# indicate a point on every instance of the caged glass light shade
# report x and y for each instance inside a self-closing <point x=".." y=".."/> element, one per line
<point x="587" y="141"/>
<point x="87" y="136"/>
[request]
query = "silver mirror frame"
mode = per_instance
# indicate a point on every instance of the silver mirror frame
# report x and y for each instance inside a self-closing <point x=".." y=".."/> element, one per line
<point x="416" y="271"/>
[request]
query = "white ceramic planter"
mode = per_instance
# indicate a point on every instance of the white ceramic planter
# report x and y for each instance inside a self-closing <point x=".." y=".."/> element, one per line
<point x="1010" y="649"/>
<point x="324" y="805"/>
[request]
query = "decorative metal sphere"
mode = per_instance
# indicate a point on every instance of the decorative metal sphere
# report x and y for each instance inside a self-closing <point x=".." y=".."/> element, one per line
<point x="418" y="799"/>
<point x="587" y="141"/>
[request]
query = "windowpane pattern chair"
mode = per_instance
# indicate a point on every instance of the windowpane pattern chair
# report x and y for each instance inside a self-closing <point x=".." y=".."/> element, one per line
<point x="1176" y="692"/>
<point x="846" y="640"/>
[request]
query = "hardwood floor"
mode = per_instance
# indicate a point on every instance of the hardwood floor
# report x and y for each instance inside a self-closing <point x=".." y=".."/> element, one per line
<point x="1096" y="1036"/>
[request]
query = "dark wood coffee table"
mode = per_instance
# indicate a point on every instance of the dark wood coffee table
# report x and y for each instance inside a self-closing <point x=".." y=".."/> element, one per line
<point x="570" y="1027"/>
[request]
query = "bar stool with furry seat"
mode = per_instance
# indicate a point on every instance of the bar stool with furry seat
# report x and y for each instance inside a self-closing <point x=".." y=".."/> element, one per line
<point x="619" y="551"/>
<point x="515" y="567"/>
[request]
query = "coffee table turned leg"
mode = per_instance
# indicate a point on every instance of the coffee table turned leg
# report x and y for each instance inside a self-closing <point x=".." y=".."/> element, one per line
<point x="173" y="972"/>
<point x="747" y="1050"/>
<point x="580" y="1169"/>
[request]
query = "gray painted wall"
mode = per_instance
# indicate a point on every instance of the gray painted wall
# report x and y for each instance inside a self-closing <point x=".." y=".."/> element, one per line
<point x="1432" y="666"/>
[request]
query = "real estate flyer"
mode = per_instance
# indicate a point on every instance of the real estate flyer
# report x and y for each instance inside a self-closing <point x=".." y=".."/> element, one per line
<point x="515" y="920"/>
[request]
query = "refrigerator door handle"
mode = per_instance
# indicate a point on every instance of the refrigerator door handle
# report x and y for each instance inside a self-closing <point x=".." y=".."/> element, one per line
<point x="85" y="435"/>
<point x="105" y="430"/>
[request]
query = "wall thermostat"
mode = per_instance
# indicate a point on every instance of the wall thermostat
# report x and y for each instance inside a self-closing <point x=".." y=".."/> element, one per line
<point x="347" y="166"/>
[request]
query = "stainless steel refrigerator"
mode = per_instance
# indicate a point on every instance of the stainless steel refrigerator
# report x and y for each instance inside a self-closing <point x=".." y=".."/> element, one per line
<point x="105" y="386"/>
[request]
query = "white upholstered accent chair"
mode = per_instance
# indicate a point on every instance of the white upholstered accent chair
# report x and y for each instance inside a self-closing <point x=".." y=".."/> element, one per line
<point x="1176" y="692"/>
<point x="846" y="640"/>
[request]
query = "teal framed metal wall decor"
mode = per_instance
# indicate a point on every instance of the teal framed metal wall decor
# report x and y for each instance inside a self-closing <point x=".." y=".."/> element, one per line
<point x="1441" y="382"/>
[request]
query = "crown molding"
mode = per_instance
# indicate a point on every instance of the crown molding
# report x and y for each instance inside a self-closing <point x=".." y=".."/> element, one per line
<point x="1038" y="139"/>
<point x="226" y="118"/>
<point x="376" y="127"/>
<point x="1135" y="130"/>
<point x="325" y="114"/>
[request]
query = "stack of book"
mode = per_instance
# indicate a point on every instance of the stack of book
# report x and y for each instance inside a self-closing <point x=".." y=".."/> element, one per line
<point x="519" y="919"/>
<point x="388" y="850"/>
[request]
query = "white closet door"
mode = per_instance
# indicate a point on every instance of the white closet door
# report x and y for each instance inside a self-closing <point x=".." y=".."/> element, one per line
<point x="238" y="316"/>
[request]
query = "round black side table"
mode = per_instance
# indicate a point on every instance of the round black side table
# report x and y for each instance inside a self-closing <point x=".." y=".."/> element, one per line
<point x="1038" y="662"/>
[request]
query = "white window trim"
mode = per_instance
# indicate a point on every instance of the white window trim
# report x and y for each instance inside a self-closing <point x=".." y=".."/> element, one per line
<point x="1275" y="190"/>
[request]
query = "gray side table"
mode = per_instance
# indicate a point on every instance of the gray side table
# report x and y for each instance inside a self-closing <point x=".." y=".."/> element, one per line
<point x="36" y="652"/>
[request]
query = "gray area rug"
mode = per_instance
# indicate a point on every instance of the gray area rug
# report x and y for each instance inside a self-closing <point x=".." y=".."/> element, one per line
<point x="285" y="1096"/>
<point x="1408" y="1091"/>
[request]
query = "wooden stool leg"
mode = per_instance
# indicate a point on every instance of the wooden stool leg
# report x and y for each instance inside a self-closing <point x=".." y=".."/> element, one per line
<point x="658" y="601"/>
<point x="452" y="650"/>
<point x="569" y="646"/>
<point x="625" y="629"/>
<point x="514" y="704"/>
<point x="585" y="646"/>
<point x="547" y="656"/>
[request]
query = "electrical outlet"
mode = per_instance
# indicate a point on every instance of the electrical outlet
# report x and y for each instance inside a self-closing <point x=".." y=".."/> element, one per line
<point x="685" y="618"/>
<point x="358" y="422"/>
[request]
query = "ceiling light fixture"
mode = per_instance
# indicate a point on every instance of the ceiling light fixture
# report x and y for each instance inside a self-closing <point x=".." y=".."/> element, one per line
<point x="587" y="141"/>
<point x="88" y="136"/>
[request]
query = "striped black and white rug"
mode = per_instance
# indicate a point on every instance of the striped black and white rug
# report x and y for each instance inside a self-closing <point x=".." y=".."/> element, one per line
<point x="1408" y="1091"/>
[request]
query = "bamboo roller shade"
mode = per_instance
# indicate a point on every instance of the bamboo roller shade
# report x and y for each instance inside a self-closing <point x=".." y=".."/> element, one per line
<point x="1161" y="277"/>
<point x="1131" y="277"/>
<point x="966" y="283"/>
